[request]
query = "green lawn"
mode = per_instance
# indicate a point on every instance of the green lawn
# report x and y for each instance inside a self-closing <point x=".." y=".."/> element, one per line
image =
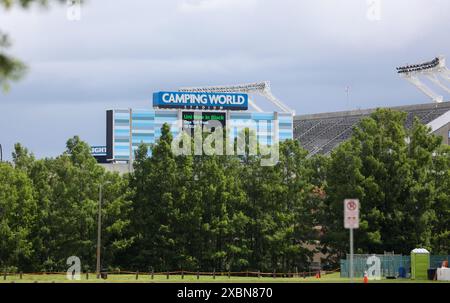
<point x="146" y="278"/>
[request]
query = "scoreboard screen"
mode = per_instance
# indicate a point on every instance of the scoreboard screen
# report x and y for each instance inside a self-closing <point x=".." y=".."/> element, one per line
<point x="192" y="119"/>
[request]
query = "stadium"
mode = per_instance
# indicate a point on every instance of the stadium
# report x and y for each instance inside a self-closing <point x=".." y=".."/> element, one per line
<point x="321" y="133"/>
<point x="214" y="144"/>
<point x="126" y="129"/>
<point x="318" y="133"/>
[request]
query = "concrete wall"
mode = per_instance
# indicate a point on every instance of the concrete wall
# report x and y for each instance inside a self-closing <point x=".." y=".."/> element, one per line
<point x="121" y="168"/>
<point x="444" y="133"/>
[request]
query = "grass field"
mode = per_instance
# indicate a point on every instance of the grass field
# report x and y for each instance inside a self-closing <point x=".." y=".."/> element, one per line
<point x="124" y="278"/>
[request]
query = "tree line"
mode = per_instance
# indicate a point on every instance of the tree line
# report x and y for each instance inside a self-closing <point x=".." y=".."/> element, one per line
<point x="228" y="212"/>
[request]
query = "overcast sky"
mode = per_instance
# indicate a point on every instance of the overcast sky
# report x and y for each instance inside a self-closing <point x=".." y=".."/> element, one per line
<point x="123" y="50"/>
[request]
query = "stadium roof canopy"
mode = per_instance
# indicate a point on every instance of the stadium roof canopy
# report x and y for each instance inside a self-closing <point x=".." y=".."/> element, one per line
<point x="321" y="133"/>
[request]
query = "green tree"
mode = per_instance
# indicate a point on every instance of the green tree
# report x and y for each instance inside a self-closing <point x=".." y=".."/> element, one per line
<point x="153" y="185"/>
<point x="390" y="169"/>
<point x="11" y="69"/>
<point x="66" y="191"/>
<point x="440" y="230"/>
<point x="419" y="208"/>
<point x="17" y="216"/>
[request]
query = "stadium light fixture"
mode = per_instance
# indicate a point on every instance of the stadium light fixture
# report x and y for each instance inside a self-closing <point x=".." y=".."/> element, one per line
<point x="431" y="70"/>
<point x="260" y="88"/>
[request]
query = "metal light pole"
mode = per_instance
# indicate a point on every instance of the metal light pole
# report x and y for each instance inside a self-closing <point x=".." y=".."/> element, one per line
<point x="347" y="91"/>
<point x="351" y="254"/>
<point x="1" y="153"/>
<point x="99" y="228"/>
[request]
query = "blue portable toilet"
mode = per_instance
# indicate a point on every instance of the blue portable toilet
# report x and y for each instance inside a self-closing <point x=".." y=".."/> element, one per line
<point x="401" y="272"/>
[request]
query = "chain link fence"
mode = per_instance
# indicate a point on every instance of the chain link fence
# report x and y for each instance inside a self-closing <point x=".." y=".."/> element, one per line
<point x="391" y="265"/>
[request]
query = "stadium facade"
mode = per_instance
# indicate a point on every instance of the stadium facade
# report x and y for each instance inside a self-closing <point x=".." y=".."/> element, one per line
<point x="126" y="129"/>
<point x="321" y="133"/>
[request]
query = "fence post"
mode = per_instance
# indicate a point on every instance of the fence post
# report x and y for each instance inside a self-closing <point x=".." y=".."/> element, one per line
<point x="274" y="275"/>
<point x="198" y="275"/>
<point x="167" y="275"/>
<point x="296" y="272"/>
<point x="182" y="274"/>
<point x="152" y="273"/>
<point x="246" y="274"/>
<point x="259" y="274"/>
<point x="229" y="276"/>
<point x="21" y="273"/>
<point x="214" y="274"/>
<point x="4" y="275"/>
<point x="87" y="275"/>
<point x="137" y="275"/>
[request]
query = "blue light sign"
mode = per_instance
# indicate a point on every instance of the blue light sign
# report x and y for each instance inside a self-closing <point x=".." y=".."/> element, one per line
<point x="188" y="100"/>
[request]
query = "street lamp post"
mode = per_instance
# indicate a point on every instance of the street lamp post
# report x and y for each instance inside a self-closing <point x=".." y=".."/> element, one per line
<point x="99" y="229"/>
<point x="1" y="153"/>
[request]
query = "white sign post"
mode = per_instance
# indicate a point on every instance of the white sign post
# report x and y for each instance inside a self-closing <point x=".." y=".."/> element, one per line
<point x="351" y="221"/>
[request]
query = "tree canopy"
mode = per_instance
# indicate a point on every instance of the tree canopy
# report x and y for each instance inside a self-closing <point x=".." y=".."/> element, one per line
<point x="205" y="212"/>
<point x="397" y="174"/>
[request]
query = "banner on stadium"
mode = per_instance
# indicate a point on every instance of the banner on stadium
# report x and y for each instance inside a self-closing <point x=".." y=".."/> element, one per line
<point x="190" y="100"/>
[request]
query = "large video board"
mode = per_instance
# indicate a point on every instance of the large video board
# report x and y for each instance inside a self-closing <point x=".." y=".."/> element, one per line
<point x="191" y="119"/>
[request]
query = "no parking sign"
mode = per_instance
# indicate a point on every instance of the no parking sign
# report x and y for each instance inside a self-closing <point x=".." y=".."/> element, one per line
<point x="351" y="213"/>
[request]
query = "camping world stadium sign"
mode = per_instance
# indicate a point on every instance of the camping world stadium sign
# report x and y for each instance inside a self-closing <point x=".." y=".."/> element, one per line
<point x="200" y="100"/>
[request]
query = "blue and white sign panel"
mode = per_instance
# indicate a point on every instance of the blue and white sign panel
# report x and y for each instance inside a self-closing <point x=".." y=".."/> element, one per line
<point x="98" y="150"/>
<point x="188" y="100"/>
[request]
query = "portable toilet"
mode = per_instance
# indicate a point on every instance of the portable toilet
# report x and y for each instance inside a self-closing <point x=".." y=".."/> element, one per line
<point x="420" y="262"/>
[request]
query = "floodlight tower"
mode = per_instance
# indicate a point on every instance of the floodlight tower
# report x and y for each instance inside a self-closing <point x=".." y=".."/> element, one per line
<point x="260" y="88"/>
<point x="433" y="70"/>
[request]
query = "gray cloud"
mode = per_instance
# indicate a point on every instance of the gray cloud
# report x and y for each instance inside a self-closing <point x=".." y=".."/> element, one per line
<point x="121" y="51"/>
